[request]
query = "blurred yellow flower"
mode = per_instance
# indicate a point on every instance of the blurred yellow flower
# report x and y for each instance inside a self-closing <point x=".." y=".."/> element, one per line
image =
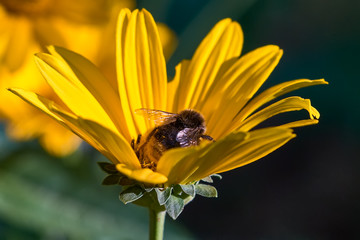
<point x="215" y="82"/>
<point x="85" y="26"/>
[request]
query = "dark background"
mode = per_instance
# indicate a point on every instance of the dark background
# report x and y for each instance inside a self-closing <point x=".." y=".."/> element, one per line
<point x="308" y="189"/>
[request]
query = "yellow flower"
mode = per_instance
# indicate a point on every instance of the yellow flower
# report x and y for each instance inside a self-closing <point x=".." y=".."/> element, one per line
<point x="85" y="26"/>
<point x="215" y="82"/>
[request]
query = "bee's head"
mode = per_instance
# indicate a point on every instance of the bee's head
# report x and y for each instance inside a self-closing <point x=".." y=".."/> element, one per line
<point x="192" y="119"/>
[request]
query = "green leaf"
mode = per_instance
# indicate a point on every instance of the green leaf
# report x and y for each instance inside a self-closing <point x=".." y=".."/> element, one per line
<point x="131" y="194"/>
<point x="174" y="206"/>
<point x="108" y="167"/>
<point x="111" y="179"/>
<point x="188" y="189"/>
<point x="163" y="195"/>
<point x="206" y="190"/>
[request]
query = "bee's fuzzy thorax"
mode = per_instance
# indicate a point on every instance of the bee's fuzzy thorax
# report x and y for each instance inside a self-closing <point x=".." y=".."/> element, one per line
<point x="192" y="118"/>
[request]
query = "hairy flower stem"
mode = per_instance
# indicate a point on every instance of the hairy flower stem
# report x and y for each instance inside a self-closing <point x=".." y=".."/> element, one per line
<point x="156" y="226"/>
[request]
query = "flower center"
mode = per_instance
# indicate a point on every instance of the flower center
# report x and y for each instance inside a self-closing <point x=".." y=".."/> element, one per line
<point x="27" y="7"/>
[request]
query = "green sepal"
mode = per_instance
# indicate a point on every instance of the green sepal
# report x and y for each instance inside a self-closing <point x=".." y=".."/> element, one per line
<point x="117" y="178"/>
<point x="124" y="181"/>
<point x="148" y="189"/>
<point x="149" y="200"/>
<point x="108" y="167"/>
<point x="206" y="190"/>
<point x="209" y="179"/>
<point x="172" y="199"/>
<point x="174" y="206"/>
<point x="217" y="176"/>
<point x="188" y="189"/>
<point x="131" y="194"/>
<point x="177" y="189"/>
<point x="187" y="198"/>
<point x="111" y="179"/>
<point x="163" y="195"/>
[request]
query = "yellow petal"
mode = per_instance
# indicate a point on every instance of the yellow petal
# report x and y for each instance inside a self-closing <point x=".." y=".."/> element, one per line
<point x="143" y="175"/>
<point x="251" y="69"/>
<point x="109" y="143"/>
<point x="67" y="82"/>
<point x="300" y="123"/>
<point x="97" y="85"/>
<point x="233" y="89"/>
<point x="46" y="106"/>
<point x="141" y="69"/>
<point x="233" y="151"/>
<point x="259" y="144"/>
<point x="180" y="164"/>
<point x="285" y="105"/>
<point x="272" y="93"/>
<point x="35" y="100"/>
<point x="222" y="43"/>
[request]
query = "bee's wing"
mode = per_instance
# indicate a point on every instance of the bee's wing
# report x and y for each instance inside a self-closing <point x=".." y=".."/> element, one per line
<point x="187" y="137"/>
<point x="159" y="117"/>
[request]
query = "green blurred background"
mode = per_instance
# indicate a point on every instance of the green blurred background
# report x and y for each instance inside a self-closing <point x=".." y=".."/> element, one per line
<point x="308" y="189"/>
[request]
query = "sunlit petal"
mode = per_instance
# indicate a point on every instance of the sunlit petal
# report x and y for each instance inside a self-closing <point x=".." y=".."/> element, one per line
<point x="237" y="86"/>
<point x="65" y="82"/>
<point x="259" y="144"/>
<point x="235" y="150"/>
<point x="116" y="148"/>
<point x="35" y="100"/>
<point x="143" y="175"/>
<point x="96" y="84"/>
<point x="46" y="106"/>
<point x="222" y="43"/>
<point x="272" y="93"/>
<point x="141" y="68"/>
<point x="300" y="123"/>
<point x="285" y="105"/>
<point x="112" y="145"/>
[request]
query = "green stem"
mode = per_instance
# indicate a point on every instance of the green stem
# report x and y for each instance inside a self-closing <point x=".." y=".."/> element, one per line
<point x="157" y="221"/>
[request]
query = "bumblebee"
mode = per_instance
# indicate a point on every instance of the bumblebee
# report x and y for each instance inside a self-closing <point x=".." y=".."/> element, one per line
<point x="172" y="130"/>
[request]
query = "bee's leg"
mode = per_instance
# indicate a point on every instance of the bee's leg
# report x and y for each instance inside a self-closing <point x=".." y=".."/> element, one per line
<point x="207" y="137"/>
<point x="138" y="139"/>
<point x="133" y="144"/>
